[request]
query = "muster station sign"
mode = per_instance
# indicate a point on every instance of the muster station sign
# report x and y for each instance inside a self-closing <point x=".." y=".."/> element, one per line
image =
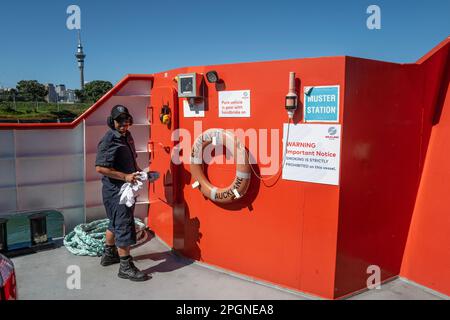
<point x="321" y="104"/>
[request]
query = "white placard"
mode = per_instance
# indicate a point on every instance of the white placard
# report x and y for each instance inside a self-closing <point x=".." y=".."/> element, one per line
<point x="312" y="153"/>
<point x="196" y="110"/>
<point x="234" y="104"/>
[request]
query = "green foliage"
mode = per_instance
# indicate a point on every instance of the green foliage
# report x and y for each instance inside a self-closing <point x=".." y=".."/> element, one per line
<point x="27" y="110"/>
<point x="9" y="95"/>
<point x="94" y="90"/>
<point x="81" y="95"/>
<point x="31" y="90"/>
<point x="27" y="101"/>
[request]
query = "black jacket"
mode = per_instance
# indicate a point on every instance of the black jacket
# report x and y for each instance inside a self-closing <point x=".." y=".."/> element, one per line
<point x="118" y="152"/>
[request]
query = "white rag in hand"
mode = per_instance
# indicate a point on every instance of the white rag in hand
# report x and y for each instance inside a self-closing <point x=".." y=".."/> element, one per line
<point x="129" y="191"/>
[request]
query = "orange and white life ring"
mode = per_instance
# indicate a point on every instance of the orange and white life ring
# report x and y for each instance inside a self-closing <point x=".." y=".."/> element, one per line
<point x="241" y="182"/>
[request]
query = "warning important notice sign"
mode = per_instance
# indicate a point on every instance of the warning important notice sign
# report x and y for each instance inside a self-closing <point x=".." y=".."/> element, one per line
<point x="312" y="153"/>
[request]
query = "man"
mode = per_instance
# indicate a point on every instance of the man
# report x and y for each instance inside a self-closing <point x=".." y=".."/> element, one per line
<point x="116" y="161"/>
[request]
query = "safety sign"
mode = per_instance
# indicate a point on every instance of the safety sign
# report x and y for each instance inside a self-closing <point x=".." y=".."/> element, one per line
<point x="312" y="153"/>
<point x="196" y="110"/>
<point x="234" y="104"/>
<point x="321" y="104"/>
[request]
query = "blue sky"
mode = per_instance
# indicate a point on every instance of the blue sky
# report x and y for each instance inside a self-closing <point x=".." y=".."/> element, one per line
<point x="150" y="36"/>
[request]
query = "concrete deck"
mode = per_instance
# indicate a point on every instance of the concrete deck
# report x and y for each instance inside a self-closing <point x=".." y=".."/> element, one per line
<point x="43" y="275"/>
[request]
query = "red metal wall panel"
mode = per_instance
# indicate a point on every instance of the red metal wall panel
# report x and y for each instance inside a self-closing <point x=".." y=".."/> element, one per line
<point x="285" y="233"/>
<point x="427" y="255"/>
<point x="380" y="169"/>
<point x="314" y="238"/>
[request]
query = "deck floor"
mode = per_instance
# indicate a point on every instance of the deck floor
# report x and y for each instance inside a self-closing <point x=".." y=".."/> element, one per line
<point x="43" y="275"/>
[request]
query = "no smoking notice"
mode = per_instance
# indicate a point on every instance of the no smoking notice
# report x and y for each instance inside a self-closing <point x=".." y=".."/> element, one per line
<point x="312" y="153"/>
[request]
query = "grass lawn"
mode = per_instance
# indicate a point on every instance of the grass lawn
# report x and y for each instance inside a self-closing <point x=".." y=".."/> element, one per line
<point x="41" y="111"/>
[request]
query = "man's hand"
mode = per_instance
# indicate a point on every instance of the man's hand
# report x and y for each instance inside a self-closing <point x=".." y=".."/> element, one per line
<point x="112" y="173"/>
<point x="131" y="178"/>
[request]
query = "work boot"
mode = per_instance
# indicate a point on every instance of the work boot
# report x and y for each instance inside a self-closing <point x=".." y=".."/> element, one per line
<point x="128" y="270"/>
<point x="110" y="256"/>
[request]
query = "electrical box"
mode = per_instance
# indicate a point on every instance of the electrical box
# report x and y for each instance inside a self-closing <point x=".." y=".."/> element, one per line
<point x="190" y="85"/>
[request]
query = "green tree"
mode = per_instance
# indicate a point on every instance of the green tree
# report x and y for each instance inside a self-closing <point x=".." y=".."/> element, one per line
<point x="81" y="95"/>
<point x="31" y="90"/>
<point x="94" y="90"/>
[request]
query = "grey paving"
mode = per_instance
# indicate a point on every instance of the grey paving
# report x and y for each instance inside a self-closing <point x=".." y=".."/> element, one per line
<point x="399" y="289"/>
<point x="43" y="275"/>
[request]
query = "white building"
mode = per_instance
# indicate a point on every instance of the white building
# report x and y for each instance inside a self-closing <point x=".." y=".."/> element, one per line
<point x="51" y="96"/>
<point x="70" y="96"/>
<point x="61" y="91"/>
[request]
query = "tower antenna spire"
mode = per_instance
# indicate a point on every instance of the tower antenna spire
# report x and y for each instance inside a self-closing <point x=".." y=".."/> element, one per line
<point x="80" y="59"/>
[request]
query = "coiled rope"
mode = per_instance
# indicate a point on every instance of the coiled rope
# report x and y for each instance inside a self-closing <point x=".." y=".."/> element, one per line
<point x="88" y="239"/>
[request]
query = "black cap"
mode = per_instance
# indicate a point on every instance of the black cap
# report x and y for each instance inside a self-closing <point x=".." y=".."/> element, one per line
<point x="119" y="110"/>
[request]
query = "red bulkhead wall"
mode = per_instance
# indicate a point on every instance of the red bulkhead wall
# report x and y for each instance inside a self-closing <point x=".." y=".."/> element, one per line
<point x="427" y="256"/>
<point x="281" y="231"/>
<point x="314" y="238"/>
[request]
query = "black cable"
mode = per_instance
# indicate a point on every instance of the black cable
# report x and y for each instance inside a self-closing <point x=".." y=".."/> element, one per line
<point x="280" y="170"/>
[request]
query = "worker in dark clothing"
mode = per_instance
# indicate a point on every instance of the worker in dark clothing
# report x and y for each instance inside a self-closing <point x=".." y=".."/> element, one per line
<point x="116" y="161"/>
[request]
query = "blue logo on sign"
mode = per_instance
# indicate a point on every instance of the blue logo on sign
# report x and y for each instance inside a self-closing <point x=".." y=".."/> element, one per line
<point x="322" y="104"/>
<point x="332" y="131"/>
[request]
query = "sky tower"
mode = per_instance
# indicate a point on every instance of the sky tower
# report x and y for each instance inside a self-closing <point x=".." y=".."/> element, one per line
<point x="80" y="58"/>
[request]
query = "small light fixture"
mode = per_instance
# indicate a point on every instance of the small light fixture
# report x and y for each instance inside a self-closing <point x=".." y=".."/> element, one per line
<point x="291" y="102"/>
<point x="212" y="76"/>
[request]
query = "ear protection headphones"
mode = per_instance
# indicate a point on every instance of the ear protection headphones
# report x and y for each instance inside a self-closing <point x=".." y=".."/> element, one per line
<point x="116" y="111"/>
<point x="110" y="122"/>
<point x="164" y="116"/>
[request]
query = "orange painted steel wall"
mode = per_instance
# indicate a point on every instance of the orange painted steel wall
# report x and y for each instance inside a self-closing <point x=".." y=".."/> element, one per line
<point x="380" y="169"/>
<point x="163" y="193"/>
<point x="427" y="255"/>
<point x="285" y="234"/>
<point x="314" y="238"/>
